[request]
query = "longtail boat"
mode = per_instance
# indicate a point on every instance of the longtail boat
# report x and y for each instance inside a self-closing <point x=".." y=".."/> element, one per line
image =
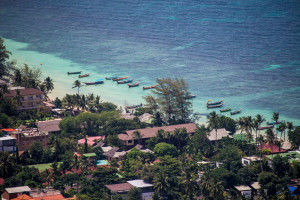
<point x="118" y="79"/>
<point x="225" y="109"/>
<point x="265" y="127"/>
<point x="215" y="106"/>
<point x="83" y="75"/>
<point x="134" y="106"/>
<point x="111" y="78"/>
<point x="126" y="81"/>
<point x="236" y="112"/>
<point x="134" y="85"/>
<point x="273" y="123"/>
<point x="150" y="87"/>
<point x="79" y="72"/>
<point x="191" y="97"/>
<point x="213" y="103"/>
<point x="99" y="81"/>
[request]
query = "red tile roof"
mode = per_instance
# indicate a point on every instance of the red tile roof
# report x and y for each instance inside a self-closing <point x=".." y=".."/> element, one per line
<point x="22" y="197"/>
<point x="52" y="197"/>
<point x="23" y="92"/>
<point x="119" y="187"/>
<point x="273" y="148"/>
<point x="151" y="132"/>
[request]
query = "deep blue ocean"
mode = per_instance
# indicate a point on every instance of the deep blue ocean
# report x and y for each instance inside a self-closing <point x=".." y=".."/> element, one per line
<point x="246" y="52"/>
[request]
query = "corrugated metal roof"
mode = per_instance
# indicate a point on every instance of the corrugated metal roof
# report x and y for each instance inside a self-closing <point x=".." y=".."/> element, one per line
<point x="7" y="138"/>
<point x="18" y="189"/>
<point x="139" y="183"/>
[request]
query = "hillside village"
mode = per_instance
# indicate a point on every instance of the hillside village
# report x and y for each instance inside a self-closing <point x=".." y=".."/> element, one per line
<point x="79" y="147"/>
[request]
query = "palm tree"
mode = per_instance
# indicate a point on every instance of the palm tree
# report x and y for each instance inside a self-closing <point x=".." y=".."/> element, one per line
<point x="241" y="124"/>
<point x="77" y="84"/>
<point x="137" y="135"/>
<point x="181" y="136"/>
<point x="6" y="165"/>
<point x="161" y="184"/>
<point x="290" y="126"/>
<point x="190" y="184"/>
<point x="281" y="129"/>
<point x="259" y="120"/>
<point x="17" y="79"/>
<point x="270" y="138"/>
<point x="4" y="55"/>
<point x="276" y="118"/>
<point x="213" y="122"/>
<point x="48" y="84"/>
<point x="248" y="127"/>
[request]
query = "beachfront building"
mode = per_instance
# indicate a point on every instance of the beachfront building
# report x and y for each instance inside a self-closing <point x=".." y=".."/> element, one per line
<point x="123" y="188"/>
<point x="244" y="190"/>
<point x="272" y="147"/>
<point x="214" y="135"/>
<point x="14" y="192"/>
<point x="30" y="98"/>
<point x="26" y="137"/>
<point x="7" y="144"/>
<point x="250" y="159"/>
<point x="50" y="126"/>
<point x="129" y="140"/>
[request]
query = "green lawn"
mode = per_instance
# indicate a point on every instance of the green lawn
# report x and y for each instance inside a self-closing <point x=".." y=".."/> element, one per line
<point x="242" y="137"/>
<point x="43" y="167"/>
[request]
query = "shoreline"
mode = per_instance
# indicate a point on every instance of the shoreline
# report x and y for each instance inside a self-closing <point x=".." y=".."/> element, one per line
<point x="57" y="68"/>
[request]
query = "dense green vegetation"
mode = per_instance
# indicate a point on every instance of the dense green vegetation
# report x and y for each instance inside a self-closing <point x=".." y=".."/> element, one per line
<point x="172" y="168"/>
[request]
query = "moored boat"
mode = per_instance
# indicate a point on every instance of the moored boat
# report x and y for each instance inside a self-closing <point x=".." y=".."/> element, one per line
<point x="134" y="85"/>
<point x="79" y="72"/>
<point x="215" y="106"/>
<point x="191" y="96"/>
<point x="265" y="127"/>
<point x="99" y="81"/>
<point x="225" y="109"/>
<point x="118" y="79"/>
<point x="273" y="123"/>
<point x="150" y="87"/>
<point x="214" y="103"/>
<point x="134" y="106"/>
<point x="111" y="78"/>
<point x="125" y="81"/>
<point x="236" y="112"/>
<point x="83" y="75"/>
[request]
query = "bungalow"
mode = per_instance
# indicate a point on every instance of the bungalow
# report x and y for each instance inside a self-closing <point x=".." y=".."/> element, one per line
<point x="128" y="139"/>
<point x="123" y="188"/>
<point x="244" y="190"/>
<point x="250" y="159"/>
<point x="214" y="136"/>
<point x="13" y="192"/>
<point x="114" y="153"/>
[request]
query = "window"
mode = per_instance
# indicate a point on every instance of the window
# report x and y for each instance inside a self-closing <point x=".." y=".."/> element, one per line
<point x="129" y="141"/>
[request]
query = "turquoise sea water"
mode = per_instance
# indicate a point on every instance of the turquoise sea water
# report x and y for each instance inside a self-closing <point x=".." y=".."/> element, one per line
<point x="247" y="53"/>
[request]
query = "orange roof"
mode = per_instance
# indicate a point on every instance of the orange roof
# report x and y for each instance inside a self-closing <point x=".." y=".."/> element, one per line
<point x="52" y="197"/>
<point x="23" y="196"/>
<point x="9" y="130"/>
